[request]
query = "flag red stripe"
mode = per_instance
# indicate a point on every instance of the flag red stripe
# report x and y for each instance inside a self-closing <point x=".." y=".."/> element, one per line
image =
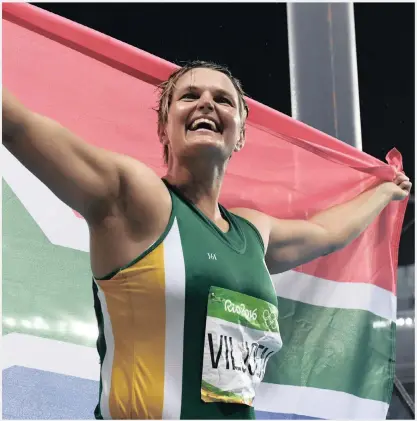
<point x="286" y="169"/>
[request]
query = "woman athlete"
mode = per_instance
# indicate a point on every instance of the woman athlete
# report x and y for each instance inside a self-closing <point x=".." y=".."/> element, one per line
<point x="185" y="305"/>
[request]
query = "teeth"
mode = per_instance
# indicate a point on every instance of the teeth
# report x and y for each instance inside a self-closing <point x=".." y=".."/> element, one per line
<point x="203" y="120"/>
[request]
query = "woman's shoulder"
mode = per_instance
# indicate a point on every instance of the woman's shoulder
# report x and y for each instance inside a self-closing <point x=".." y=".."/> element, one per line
<point x="259" y="220"/>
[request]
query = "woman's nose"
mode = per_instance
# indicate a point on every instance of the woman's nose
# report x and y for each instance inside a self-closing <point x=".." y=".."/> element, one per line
<point x="206" y="102"/>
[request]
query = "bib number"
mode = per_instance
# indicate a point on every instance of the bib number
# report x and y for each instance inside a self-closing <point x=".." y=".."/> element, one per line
<point x="241" y="335"/>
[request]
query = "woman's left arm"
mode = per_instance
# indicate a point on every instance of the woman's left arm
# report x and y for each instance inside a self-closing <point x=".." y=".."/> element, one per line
<point x="294" y="242"/>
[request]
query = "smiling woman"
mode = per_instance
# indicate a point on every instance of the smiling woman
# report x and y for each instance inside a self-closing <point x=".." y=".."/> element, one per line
<point x="168" y="258"/>
<point x="233" y="95"/>
<point x="165" y="246"/>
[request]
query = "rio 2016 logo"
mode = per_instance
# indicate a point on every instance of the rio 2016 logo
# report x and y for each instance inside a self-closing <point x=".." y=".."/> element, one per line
<point x="250" y="315"/>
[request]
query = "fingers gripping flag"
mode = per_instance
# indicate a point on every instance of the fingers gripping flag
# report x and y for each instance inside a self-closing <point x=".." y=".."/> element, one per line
<point x="337" y="314"/>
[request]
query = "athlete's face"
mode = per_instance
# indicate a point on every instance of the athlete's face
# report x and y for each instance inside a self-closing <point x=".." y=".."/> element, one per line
<point x="204" y="116"/>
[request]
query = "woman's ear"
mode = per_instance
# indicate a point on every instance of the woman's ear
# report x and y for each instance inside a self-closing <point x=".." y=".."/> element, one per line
<point x="240" y="143"/>
<point x="163" y="138"/>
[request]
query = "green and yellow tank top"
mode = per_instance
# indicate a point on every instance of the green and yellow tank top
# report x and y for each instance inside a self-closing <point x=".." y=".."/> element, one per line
<point x="152" y="316"/>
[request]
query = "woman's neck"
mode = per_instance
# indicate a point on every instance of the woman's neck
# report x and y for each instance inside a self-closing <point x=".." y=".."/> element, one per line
<point x="200" y="184"/>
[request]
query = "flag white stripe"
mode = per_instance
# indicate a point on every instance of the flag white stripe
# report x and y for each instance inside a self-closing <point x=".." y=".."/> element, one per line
<point x="324" y="293"/>
<point x="174" y="330"/>
<point x="319" y="403"/>
<point x="50" y="355"/>
<point x="56" y="220"/>
<point x="106" y="368"/>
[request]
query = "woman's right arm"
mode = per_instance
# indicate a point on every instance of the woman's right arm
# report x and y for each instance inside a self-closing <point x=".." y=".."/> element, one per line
<point x="88" y="179"/>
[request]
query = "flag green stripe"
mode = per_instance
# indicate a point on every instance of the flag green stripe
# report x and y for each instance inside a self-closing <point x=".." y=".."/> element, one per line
<point x="51" y="282"/>
<point x="334" y="349"/>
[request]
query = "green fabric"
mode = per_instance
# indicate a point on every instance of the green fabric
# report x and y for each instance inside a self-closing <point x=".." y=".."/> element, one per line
<point x="238" y="266"/>
<point x="315" y="340"/>
<point x="42" y="280"/>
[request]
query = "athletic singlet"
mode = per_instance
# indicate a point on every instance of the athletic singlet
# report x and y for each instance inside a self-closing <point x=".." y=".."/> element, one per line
<point x="152" y="313"/>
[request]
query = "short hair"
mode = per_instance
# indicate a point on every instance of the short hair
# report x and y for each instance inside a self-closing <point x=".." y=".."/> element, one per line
<point x="166" y="90"/>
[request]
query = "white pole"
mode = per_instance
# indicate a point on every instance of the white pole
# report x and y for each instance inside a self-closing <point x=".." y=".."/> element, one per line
<point x="323" y="68"/>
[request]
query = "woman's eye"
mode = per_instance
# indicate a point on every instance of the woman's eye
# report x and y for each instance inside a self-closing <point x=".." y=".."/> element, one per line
<point x="189" y="95"/>
<point x="223" y="100"/>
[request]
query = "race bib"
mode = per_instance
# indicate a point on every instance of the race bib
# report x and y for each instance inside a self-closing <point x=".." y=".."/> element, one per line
<point x="241" y="335"/>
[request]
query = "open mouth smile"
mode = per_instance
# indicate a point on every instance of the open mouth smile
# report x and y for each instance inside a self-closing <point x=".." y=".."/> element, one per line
<point x="204" y="124"/>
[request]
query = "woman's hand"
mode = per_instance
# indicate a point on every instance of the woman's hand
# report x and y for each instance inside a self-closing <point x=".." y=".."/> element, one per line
<point x="399" y="188"/>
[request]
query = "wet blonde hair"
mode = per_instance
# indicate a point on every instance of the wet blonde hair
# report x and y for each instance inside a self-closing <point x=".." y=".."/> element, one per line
<point x="167" y="88"/>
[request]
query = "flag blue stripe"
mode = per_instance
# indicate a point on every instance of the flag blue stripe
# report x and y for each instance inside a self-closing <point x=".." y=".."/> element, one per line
<point x="47" y="396"/>
<point x="262" y="415"/>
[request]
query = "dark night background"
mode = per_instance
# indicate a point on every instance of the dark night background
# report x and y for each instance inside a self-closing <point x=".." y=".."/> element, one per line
<point x="251" y="39"/>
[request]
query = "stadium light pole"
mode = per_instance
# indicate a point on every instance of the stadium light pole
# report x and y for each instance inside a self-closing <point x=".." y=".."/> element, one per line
<point x="323" y="69"/>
